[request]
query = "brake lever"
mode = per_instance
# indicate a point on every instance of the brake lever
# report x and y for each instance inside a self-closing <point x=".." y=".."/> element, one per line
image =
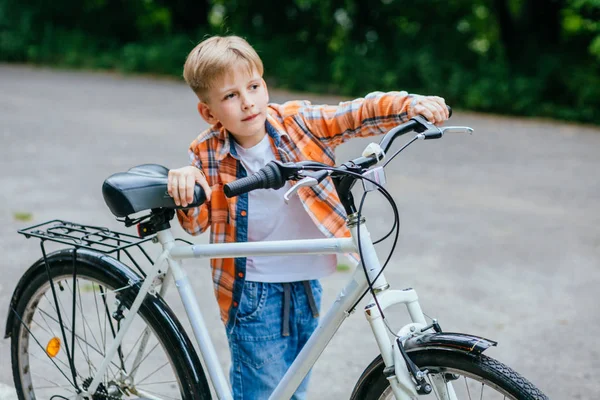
<point x="311" y="178"/>
<point x="435" y="132"/>
<point x="457" y="129"/>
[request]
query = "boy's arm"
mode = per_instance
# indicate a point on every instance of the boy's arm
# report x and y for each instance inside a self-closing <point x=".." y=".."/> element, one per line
<point x="373" y="115"/>
<point x="195" y="220"/>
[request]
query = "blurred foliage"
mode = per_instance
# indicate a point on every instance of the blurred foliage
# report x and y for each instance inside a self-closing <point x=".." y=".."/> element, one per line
<point x="526" y="57"/>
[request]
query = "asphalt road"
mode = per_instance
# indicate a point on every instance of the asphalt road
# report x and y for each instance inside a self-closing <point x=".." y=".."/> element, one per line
<point x="500" y="230"/>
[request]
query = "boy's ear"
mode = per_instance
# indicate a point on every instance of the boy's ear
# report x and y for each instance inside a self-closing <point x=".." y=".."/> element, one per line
<point x="204" y="111"/>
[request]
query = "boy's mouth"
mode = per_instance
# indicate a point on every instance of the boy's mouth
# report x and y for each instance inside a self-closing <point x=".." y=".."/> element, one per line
<point x="250" y="117"/>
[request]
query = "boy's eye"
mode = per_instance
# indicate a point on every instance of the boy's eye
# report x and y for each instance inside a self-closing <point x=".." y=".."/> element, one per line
<point x="229" y="96"/>
<point x="254" y="87"/>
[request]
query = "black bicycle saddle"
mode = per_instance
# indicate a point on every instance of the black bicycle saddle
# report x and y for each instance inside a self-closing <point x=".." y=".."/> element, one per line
<point x="142" y="188"/>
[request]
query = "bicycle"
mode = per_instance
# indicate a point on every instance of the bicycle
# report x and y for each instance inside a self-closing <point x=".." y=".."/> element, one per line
<point x="116" y="360"/>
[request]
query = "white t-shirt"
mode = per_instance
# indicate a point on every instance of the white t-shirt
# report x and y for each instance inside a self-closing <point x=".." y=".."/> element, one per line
<point x="270" y="218"/>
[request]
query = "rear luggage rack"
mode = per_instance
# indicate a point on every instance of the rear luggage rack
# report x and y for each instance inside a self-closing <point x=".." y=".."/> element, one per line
<point x="82" y="236"/>
<point x="90" y="237"/>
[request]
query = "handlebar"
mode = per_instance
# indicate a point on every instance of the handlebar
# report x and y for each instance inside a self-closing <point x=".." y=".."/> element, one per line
<point x="268" y="177"/>
<point x="418" y="124"/>
<point x="275" y="174"/>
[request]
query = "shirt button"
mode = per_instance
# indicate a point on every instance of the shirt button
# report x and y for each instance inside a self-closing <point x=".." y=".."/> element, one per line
<point x="241" y="274"/>
<point x="235" y="304"/>
<point x="243" y="213"/>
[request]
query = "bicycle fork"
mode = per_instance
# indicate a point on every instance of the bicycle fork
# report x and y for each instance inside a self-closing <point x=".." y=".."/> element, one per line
<point x="401" y="378"/>
<point x="405" y="384"/>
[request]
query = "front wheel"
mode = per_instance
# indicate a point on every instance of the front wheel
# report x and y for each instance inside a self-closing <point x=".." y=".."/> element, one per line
<point x="471" y="377"/>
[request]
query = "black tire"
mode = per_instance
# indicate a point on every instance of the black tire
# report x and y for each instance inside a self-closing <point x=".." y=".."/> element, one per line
<point x="491" y="376"/>
<point x="36" y="320"/>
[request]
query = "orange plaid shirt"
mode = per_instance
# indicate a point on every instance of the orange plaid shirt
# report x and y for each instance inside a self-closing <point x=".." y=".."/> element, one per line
<point x="298" y="131"/>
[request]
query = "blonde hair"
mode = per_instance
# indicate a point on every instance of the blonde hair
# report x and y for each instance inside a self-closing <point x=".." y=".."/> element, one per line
<point x="216" y="56"/>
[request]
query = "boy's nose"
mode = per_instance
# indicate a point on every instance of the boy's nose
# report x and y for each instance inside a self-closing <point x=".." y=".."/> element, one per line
<point x="246" y="102"/>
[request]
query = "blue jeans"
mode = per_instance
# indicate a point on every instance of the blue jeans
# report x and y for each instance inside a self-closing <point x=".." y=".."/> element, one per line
<point x="260" y="354"/>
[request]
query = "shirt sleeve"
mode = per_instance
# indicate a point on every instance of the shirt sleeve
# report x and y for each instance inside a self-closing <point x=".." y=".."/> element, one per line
<point x="195" y="220"/>
<point x="375" y="114"/>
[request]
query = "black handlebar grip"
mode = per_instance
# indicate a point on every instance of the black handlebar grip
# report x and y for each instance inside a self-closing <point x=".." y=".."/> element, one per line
<point x="449" y="111"/>
<point x="199" y="199"/>
<point x="268" y="177"/>
<point x="199" y="196"/>
<point x="242" y="185"/>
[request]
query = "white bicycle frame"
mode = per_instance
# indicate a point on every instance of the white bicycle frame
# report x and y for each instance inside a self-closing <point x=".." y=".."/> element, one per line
<point x="402" y="384"/>
<point x="401" y="381"/>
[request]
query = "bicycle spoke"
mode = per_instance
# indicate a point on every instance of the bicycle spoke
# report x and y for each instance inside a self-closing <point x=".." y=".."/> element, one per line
<point x="153" y="372"/>
<point x="55" y="358"/>
<point x="142" y="360"/>
<point x="148" y="393"/>
<point x="105" y="320"/>
<point x="157" y="383"/>
<point x="430" y="379"/>
<point x="134" y="345"/>
<point x="51" y="332"/>
<point x="74" y="310"/>
<point x="97" y="313"/>
<point x="79" y="337"/>
<point x="51" y="302"/>
<point x="66" y="387"/>
<point x="65" y="317"/>
<point x="65" y="364"/>
<point x="58" y="312"/>
<point x="64" y="313"/>
<point x="137" y="361"/>
<point x="112" y="328"/>
<point x="482" y="386"/>
<point x="86" y="321"/>
<point x="54" y="384"/>
<point x="86" y="355"/>
<point x="103" y="335"/>
<point x="40" y="345"/>
<point x="467" y="385"/>
<point x="84" y="330"/>
<point x="42" y="312"/>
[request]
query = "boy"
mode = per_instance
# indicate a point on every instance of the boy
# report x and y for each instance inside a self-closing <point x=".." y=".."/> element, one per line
<point x="269" y="305"/>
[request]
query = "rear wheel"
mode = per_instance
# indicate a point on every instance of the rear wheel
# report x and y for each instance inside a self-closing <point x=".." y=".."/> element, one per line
<point x="471" y="377"/>
<point x="147" y="365"/>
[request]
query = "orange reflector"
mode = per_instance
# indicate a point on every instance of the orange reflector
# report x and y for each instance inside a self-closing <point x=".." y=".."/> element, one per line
<point x="53" y="347"/>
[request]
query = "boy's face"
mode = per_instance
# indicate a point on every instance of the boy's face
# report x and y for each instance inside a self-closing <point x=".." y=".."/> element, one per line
<point x="238" y="100"/>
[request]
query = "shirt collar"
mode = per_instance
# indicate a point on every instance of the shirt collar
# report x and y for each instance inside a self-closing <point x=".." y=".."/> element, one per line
<point x="225" y="142"/>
